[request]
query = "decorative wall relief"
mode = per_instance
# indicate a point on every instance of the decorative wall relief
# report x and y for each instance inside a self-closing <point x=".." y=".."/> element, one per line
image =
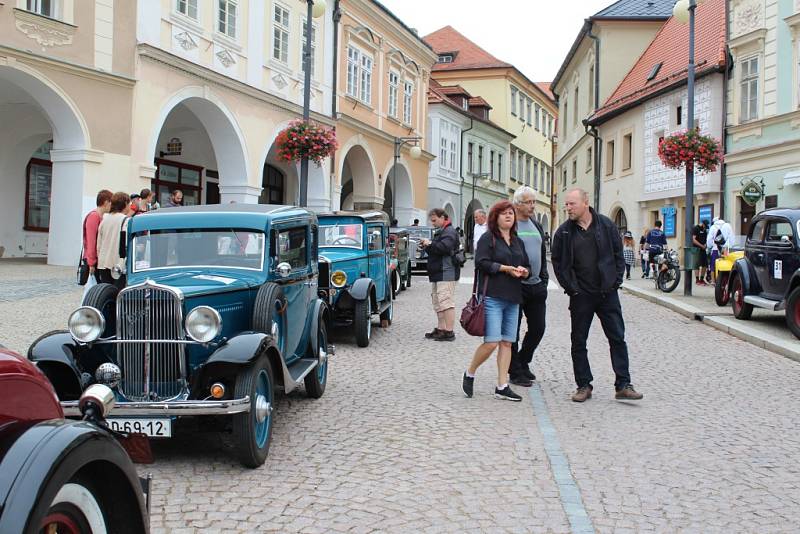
<point x="226" y="58"/>
<point x="280" y="81"/>
<point x="44" y="31"/>
<point x="748" y="16"/>
<point x="186" y="41"/>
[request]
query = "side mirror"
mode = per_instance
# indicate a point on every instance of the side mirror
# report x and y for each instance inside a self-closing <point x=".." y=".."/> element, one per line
<point x="283" y="269"/>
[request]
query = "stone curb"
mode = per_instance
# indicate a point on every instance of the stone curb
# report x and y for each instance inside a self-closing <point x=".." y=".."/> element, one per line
<point x="729" y="325"/>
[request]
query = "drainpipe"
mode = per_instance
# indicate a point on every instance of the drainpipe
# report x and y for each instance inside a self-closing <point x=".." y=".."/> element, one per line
<point x="461" y="174"/>
<point x="337" y="16"/>
<point x="723" y="170"/>
<point x="593" y="133"/>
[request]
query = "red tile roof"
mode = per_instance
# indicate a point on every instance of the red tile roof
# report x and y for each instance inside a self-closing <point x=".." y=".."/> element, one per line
<point x="545" y="87"/>
<point x="436" y="95"/>
<point x="670" y="47"/>
<point x="467" y="55"/>
<point x="454" y="90"/>
<point x="479" y="102"/>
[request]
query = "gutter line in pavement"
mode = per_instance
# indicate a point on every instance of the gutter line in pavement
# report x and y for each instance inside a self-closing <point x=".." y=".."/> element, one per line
<point x="568" y="490"/>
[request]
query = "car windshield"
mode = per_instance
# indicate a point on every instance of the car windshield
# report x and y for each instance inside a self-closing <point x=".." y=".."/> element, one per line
<point x="179" y="249"/>
<point x="341" y="235"/>
<point x="417" y="232"/>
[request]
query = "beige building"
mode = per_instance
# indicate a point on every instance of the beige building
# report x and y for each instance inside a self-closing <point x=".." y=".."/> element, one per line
<point x="381" y="107"/>
<point x="190" y="96"/>
<point x="607" y="46"/>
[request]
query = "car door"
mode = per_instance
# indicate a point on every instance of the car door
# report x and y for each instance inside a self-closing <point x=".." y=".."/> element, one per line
<point x="780" y="252"/>
<point x="376" y="248"/>
<point x="292" y="247"/>
<point x="755" y="252"/>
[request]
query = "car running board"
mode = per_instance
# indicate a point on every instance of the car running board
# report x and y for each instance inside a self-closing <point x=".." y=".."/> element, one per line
<point x="294" y="374"/>
<point x="761" y="302"/>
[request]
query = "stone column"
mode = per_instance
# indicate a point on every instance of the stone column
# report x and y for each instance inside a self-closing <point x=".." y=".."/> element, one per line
<point x="243" y="194"/>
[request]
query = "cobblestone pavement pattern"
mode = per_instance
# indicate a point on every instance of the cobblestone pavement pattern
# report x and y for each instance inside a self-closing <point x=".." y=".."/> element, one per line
<point x="394" y="446"/>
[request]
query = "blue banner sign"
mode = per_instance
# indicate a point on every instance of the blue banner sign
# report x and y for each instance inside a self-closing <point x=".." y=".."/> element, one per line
<point x="706" y="213"/>
<point x="669" y="220"/>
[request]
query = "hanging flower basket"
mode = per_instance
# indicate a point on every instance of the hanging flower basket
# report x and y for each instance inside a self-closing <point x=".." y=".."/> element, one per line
<point x="306" y="139"/>
<point x="690" y="148"/>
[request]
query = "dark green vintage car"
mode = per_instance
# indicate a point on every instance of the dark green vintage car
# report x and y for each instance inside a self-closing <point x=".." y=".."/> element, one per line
<point x="400" y="259"/>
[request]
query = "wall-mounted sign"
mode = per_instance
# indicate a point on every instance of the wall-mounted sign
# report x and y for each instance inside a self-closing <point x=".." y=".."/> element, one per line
<point x="669" y="220"/>
<point x="706" y="213"/>
<point x="752" y="192"/>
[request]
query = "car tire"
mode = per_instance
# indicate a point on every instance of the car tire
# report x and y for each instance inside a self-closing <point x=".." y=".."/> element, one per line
<point x="317" y="379"/>
<point x="362" y="322"/>
<point x="252" y="431"/>
<point x="722" y="295"/>
<point x="741" y="309"/>
<point x="395" y="283"/>
<point x="388" y="314"/>
<point x="269" y="313"/>
<point x="104" y="298"/>
<point x="793" y="312"/>
<point x="402" y="280"/>
<point x="75" y="509"/>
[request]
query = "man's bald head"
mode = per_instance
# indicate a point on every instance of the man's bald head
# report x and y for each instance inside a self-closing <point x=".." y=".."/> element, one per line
<point x="577" y="203"/>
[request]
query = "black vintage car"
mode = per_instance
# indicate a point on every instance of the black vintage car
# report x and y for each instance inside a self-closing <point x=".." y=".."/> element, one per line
<point x="769" y="274"/>
<point x="400" y="251"/>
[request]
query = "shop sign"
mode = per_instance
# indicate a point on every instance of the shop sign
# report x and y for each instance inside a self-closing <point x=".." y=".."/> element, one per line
<point x="752" y="192"/>
<point x="669" y="213"/>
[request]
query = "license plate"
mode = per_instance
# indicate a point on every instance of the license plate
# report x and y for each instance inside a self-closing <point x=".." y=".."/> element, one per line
<point x="154" y="428"/>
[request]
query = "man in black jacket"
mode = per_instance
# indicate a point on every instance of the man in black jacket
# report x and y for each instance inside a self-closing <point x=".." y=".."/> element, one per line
<point x="534" y="288"/>
<point x="588" y="262"/>
<point x="443" y="272"/>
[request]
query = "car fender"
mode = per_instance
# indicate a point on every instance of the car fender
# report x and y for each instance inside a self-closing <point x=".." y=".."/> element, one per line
<point x="743" y="268"/>
<point x="54" y="451"/>
<point x="54" y="353"/>
<point x="319" y="312"/>
<point x="246" y="347"/>
<point x="793" y="284"/>
<point x="361" y="288"/>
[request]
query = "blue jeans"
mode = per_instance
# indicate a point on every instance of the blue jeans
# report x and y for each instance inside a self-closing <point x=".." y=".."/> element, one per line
<point x="502" y="318"/>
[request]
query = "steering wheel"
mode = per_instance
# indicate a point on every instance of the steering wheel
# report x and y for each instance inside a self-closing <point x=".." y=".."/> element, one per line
<point x="339" y="240"/>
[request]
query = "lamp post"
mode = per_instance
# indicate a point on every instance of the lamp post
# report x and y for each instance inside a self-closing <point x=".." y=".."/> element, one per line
<point x="415" y="153"/>
<point x="315" y="9"/>
<point x="684" y="11"/>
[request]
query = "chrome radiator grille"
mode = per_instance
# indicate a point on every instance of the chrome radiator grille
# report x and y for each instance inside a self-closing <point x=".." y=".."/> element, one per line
<point x="151" y="369"/>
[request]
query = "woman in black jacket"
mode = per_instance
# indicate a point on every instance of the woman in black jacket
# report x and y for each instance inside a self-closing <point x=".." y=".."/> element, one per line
<point x="501" y="263"/>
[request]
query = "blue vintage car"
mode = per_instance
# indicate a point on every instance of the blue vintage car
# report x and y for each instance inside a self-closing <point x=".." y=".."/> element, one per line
<point x="220" y="310"/>
<point x="354" y="275"/>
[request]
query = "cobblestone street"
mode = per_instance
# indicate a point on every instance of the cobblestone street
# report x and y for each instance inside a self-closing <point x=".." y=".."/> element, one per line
<point x="393" y="445"/>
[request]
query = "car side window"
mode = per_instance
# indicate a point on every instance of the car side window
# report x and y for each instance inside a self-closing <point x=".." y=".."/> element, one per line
<point x="375" y="238"/>
<point x="293" y="247"/>
<point x="777" y="229"/>
<point x="757" y="231"/>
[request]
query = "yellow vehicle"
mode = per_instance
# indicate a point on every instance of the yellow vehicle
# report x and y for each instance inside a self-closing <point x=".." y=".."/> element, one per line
<point x="722" y="271"/>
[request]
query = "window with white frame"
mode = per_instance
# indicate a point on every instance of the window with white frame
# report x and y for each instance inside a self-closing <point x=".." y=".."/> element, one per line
<point x="280" y="34"/>
<point x="575" y="111"/>
<point x="42" y="7"/>
<point x="226" y="18"/>
<point x="444" y="143"/>
<point x="187" y="8"/>
<point x="513" y="100"/>
<point x="491" y="164"/>
<point x="455" y="134"/>
<point x="353" y="58"/>
<point x="394" y="82"/>
<point x="513" y="164"/>
<point x="527" y="170"/>
<point x="536" y="174"/>
<point x="520" y="166"/>
<point x="312" y="57"/>
<point x="748" y="89"/>
<point x="359" y="75"/>
<point x="366" y="79"/>
<point x="522" y="99"/>
<point x="500" y="166"/>
<point x="408" y="93"/>
<point x="536" y="123"/>
<point x="529" y="112"/>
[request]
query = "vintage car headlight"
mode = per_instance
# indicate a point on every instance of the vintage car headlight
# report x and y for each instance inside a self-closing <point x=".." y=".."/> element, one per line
<point x="86" y="324"/>
<point x="339" y="278"/>
<point x="203" y="324"/>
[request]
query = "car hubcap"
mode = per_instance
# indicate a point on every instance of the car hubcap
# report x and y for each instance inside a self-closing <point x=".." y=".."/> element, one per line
<point x="262" y="409"/>
<point x="322" y="366"/>
<point x="60" y="523"/>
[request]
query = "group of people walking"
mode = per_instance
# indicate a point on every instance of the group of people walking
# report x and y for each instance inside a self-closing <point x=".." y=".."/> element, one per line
<point x="103" y="228"/>
<point x="512" y="277"/>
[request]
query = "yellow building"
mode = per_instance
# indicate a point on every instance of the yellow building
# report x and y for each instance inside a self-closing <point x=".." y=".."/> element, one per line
<point x="521" y="107"/>
<point x="381" y="99"/>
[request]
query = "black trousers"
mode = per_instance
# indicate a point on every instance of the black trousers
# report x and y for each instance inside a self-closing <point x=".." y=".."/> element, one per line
<point x="534" y="307"/>
<point x="583" y="307"/>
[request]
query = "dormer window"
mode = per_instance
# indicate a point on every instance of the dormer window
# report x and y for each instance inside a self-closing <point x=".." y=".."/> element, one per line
<point x="465" y="104"/>
<point x="445" y="58"/>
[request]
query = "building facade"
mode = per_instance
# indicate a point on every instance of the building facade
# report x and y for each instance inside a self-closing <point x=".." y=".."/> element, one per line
<point x="471" y="167"/>
<point x="763" y="107"/>
<point x="519" y="106"/>
<point x="189" y="97"/>
<point x="636" y="189"/>
<point x="607" y="46"/>
<point x="381" y="111"/>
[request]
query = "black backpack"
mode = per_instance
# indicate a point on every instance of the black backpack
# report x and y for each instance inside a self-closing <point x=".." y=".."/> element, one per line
<point x="719" y="239"/>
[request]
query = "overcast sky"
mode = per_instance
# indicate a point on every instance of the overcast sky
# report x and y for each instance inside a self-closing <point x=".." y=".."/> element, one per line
<point x="533" y="35"/>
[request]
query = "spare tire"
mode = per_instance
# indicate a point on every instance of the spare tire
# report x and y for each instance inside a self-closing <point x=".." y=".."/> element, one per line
<point x="104" y="298"/>
<point x="269" y="313"/>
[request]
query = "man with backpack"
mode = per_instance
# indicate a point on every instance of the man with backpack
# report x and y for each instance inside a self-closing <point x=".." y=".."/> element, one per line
<point x="656" y="243"/>
<point x="719" y="241"/>
<point x="534" y="288"/>
<point x="444" y="269"/>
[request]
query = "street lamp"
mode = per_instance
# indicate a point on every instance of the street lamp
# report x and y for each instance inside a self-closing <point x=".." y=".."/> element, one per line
<point x="415" y="152"/>
<point x="684" y="11"/>
<point x="316" y="8"/>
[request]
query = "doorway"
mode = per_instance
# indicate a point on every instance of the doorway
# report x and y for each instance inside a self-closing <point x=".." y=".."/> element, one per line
<point x="746" y="214"/>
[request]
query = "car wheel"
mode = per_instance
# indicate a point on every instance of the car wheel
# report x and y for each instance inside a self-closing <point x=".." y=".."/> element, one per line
<point x="317" y="379"/>
<point x="104" y="298"/>
<point x="741" y="309"/>
<point x="388" y="314"/>
<point x="721" y="294"/>
<point x="395" y="283"/>
<point x="363" y="322"/>
<point x="252" y="431"/>
<point x="269" y="313"/>
<point x="74" y="510"/>
<point x="793" y="312"/>
<point x="402" y="281"/>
